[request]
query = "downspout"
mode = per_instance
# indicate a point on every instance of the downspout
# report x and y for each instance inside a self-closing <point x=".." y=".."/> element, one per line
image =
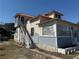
<point x="56" y="37"/>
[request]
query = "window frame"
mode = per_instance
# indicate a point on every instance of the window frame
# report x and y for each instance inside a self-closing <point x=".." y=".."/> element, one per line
<point x="22" y="20"/>
<point x="32" y="31"/>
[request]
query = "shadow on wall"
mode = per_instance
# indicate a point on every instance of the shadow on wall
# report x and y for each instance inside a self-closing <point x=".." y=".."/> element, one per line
<point x="35" y="40"/>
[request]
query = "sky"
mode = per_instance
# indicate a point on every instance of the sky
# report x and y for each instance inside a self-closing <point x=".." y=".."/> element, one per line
<point x="9" y="8"/>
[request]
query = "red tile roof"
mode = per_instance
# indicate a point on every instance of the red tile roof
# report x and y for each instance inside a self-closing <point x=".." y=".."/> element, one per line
<point x="43" y="18"/>
<point x="53" y="12"/>
<point x="24" y="15"/>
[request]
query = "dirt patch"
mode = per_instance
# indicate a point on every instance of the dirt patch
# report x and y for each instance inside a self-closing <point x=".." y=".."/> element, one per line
<point x="70" y="56"/>
<point x="12" y="51"/>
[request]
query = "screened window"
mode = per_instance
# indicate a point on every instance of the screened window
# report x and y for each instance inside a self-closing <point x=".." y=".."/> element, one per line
<point x="48" y="30"/>
<point x="57" y="16"/>
<point x="22" y="20"/>
<point x="32" y="31"/>
<point x="75" y="34"/>
<point x="63" y="30"/>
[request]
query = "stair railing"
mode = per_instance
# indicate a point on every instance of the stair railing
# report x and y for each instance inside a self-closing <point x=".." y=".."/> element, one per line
<point x="27" y="38"/>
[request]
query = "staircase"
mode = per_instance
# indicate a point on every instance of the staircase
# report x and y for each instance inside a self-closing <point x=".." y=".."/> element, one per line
<point x="26" y="36"/>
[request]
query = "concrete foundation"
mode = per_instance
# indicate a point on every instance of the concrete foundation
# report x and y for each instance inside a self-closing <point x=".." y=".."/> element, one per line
<point x="47" y="48"/>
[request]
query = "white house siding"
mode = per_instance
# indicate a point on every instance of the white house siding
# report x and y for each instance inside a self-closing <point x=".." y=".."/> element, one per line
<point x="50" y="28"/>
<point x="37" y="30"/>
<point x="46" y="42"/>
<point x="49" y="41"/>
<point x="52" y="16"/>
<point x="17" y="35"/>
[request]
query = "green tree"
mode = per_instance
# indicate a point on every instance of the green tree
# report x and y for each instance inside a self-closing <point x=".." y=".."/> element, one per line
<point x="77" y="23"/>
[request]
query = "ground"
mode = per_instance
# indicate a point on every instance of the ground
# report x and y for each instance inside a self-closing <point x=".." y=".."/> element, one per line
<point x="9" y="50"/>
<point x="70" y="56"/>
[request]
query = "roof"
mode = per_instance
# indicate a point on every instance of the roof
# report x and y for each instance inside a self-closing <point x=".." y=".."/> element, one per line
<point x="49" y="13"/>
<point x="77" y="25"/>
<point x="45" y="19"/>
<point x="24" y="15"/>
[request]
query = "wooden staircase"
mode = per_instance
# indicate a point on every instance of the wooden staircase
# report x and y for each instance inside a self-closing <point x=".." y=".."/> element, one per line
<point x="26" y="36"/>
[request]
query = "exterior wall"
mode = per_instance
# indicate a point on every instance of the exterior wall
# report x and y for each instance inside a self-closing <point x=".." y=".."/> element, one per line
<point x="51" y="27"/>
<point x="16" y="35"/>
<point x="52" y="16"/>
<point x="78" y="36"/>
<point x="47" y="43"/>
<point x="62" y="30"/>
<point x="38" y="30"/>
<point x="66" y="40"/>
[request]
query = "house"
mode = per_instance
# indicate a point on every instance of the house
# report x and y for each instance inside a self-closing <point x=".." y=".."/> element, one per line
<point x="48" y="31"/>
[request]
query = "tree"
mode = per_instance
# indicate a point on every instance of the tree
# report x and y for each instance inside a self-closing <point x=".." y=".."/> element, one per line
<point x="77" y="23"/>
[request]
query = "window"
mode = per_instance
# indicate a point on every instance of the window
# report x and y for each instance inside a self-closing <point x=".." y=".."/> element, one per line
<point x="57" y="16"/>
<point x="72" y="28"/>
<point x="22" y="20"/>
<point x="75" y="34"/>
<point x="26" y="21"/>
<point x="63" y="30"/>
<point x="48" y="30"/>
<point x="32" y="31"/>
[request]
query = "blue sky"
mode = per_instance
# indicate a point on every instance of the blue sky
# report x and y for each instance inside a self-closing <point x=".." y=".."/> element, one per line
<point x="8" y="8"/>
